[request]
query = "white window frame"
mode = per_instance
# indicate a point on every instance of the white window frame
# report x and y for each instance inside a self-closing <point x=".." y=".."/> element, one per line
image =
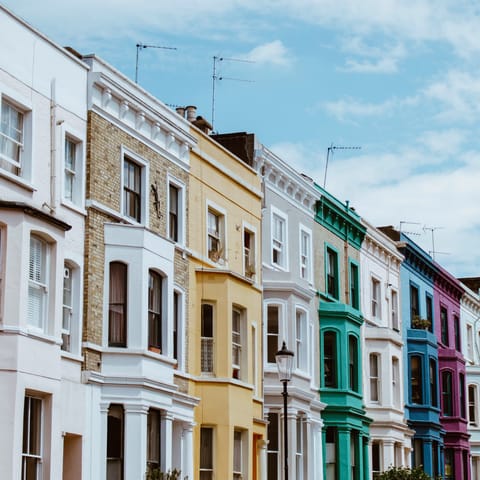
<point x="23" y="106"/>
<point x="376" y="296"/>
<point x="67" y="307"/>
<point x="469" y="342"/>
<point x="249" y="253"/>
<point x="375" y="377"/>
<point x="394" y="310"/>
<point x="300" y="448"/>
<point x="280" y="327"/>
<point x="179" y="295"/>
<point x="126" y="154"/>
<point x="239" y="455"/>
<point x="239" y="344"/>
<point x="180" y="186"/>
<point x="219" y="235"/>
<point x="78" y="188"/>
<point x="38" y="456"/>
<point x="379" y="443"/>
<point x="396" y="393"/>
<point x="301" y="341"/>
<point x="279" y="240"/>
<point x="305" y="253"/>
<point x="40" y="284"/>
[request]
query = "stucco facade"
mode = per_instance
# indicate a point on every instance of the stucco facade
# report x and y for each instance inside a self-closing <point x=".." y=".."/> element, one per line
<point x="338" y="238"/>
<point x="225" y="313"/>
<point x="469" y="315"/>
<point x="383" y="361"/>
<point x="42" y="160"/>
<point x="452" y="375"/>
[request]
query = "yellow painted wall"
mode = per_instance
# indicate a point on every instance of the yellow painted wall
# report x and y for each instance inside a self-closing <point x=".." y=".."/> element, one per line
<point x="226" y="403"/>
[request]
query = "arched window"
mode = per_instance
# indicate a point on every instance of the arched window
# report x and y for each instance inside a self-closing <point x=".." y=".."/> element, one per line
<point x="155" y="310"/>
<point x="117" y="306"/>
<point x="447" y="398"/>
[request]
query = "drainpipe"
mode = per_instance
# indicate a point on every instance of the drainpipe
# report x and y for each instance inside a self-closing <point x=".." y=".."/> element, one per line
<point x="53" y="149"/>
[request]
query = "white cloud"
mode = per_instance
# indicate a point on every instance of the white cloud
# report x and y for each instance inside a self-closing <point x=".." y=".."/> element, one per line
<point x="272" y="53"/>
<point x="373" y="59"/>
<point x="387" y="188"/>
<point x="459" y="94"/>
<point x="443" y="142"/>
<point x="345" y="109"/>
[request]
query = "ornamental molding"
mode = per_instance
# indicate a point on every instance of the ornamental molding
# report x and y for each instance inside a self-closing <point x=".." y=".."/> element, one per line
<point x="284" y="180"/>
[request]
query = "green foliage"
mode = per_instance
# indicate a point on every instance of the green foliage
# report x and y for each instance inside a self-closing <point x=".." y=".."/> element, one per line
<point x="403" y="473"/>
<point x="157" y="474"/>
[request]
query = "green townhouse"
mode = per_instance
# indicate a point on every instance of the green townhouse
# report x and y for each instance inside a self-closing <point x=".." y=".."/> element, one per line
<point x="337" y="239"/>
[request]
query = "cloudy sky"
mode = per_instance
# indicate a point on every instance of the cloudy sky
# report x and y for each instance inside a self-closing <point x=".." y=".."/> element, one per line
<point x="400" y="79"/>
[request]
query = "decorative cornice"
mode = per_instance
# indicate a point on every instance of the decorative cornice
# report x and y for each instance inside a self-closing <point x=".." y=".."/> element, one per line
<point x="340" y="219"/>
<point x="283" y="179"/>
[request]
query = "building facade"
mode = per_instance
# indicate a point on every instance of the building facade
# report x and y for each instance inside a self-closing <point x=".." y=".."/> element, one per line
<point x="43" y="115"/>
<point x="338" y="237"/>
<point x="469" y="316"/>
<point x="452" y="375"/>
<point x="225" y="311"/>
<point x="383" y="366"/>
<point x="422" y="402"/>
<point x="140" y="412"/>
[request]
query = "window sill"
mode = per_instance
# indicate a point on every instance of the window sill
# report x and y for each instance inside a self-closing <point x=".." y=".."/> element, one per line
<point x="18" y="180"/>
<point x="72" y="206"/>
<point x="71" y="356"/>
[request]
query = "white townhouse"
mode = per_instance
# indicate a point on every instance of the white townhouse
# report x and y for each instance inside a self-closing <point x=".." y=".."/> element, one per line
<point x="470" y="322"/>
<point x="290" y="315"/>
<point x="141" y="414"/>
<point x="390" y="437"/>
<point x="43" y="114"/>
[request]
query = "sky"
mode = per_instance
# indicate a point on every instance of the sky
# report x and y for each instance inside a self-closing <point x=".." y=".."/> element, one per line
<point x="399" y="79"/>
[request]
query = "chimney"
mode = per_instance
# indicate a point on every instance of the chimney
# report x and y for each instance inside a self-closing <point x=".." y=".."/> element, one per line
<point x="202" y="124"/>
<point x="191" y="113"/>
<point x="181" y="111"/>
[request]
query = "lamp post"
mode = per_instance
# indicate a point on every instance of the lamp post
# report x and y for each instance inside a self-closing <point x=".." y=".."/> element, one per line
<point x="284" y="359"/>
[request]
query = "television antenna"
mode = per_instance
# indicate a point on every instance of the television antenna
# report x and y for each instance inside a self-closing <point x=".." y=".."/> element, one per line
<point x="432" y="252"/>
<point x="331" y="149"/>
<point x="216" y="77"/>
<point x="408" y="223"/>
<point x="142" y="46"/>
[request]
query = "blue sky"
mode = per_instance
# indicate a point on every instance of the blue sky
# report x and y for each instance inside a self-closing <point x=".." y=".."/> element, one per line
<point x="400" y="79"/>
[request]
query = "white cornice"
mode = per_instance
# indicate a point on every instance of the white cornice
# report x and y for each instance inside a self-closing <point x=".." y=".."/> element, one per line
<point x="286" y="181"/>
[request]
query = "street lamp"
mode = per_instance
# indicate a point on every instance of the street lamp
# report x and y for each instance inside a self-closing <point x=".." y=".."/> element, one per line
<point x="284" y="359"/>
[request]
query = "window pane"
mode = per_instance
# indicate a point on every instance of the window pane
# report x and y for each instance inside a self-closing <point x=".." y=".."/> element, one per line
<point x="329" y="359"/>
<point x="117" y="314"/>
<point x="272" y="332"/>
<point x="154" y="310"/>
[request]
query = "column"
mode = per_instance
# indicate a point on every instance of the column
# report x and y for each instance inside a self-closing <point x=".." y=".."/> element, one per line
<point x="292" y="442"/>
<point x="388" y="454"/>
<point x="135" y="440"/>
<point x="262" y="459"/>
<point x="187" y="452"/>
<point x="315" y="451"/>
<point x="343" y="458"/>
<point x="98" y="443"/>
<point x="166" y="440"/>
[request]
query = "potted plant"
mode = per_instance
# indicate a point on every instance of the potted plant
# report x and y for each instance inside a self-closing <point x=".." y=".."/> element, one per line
<point x="420" y="323"/>
<point x="154" y="473"/>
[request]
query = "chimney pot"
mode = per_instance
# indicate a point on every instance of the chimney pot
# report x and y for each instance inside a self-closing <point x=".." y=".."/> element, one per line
<point x="181" y="111"/>
<point x="191" y="113"/>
